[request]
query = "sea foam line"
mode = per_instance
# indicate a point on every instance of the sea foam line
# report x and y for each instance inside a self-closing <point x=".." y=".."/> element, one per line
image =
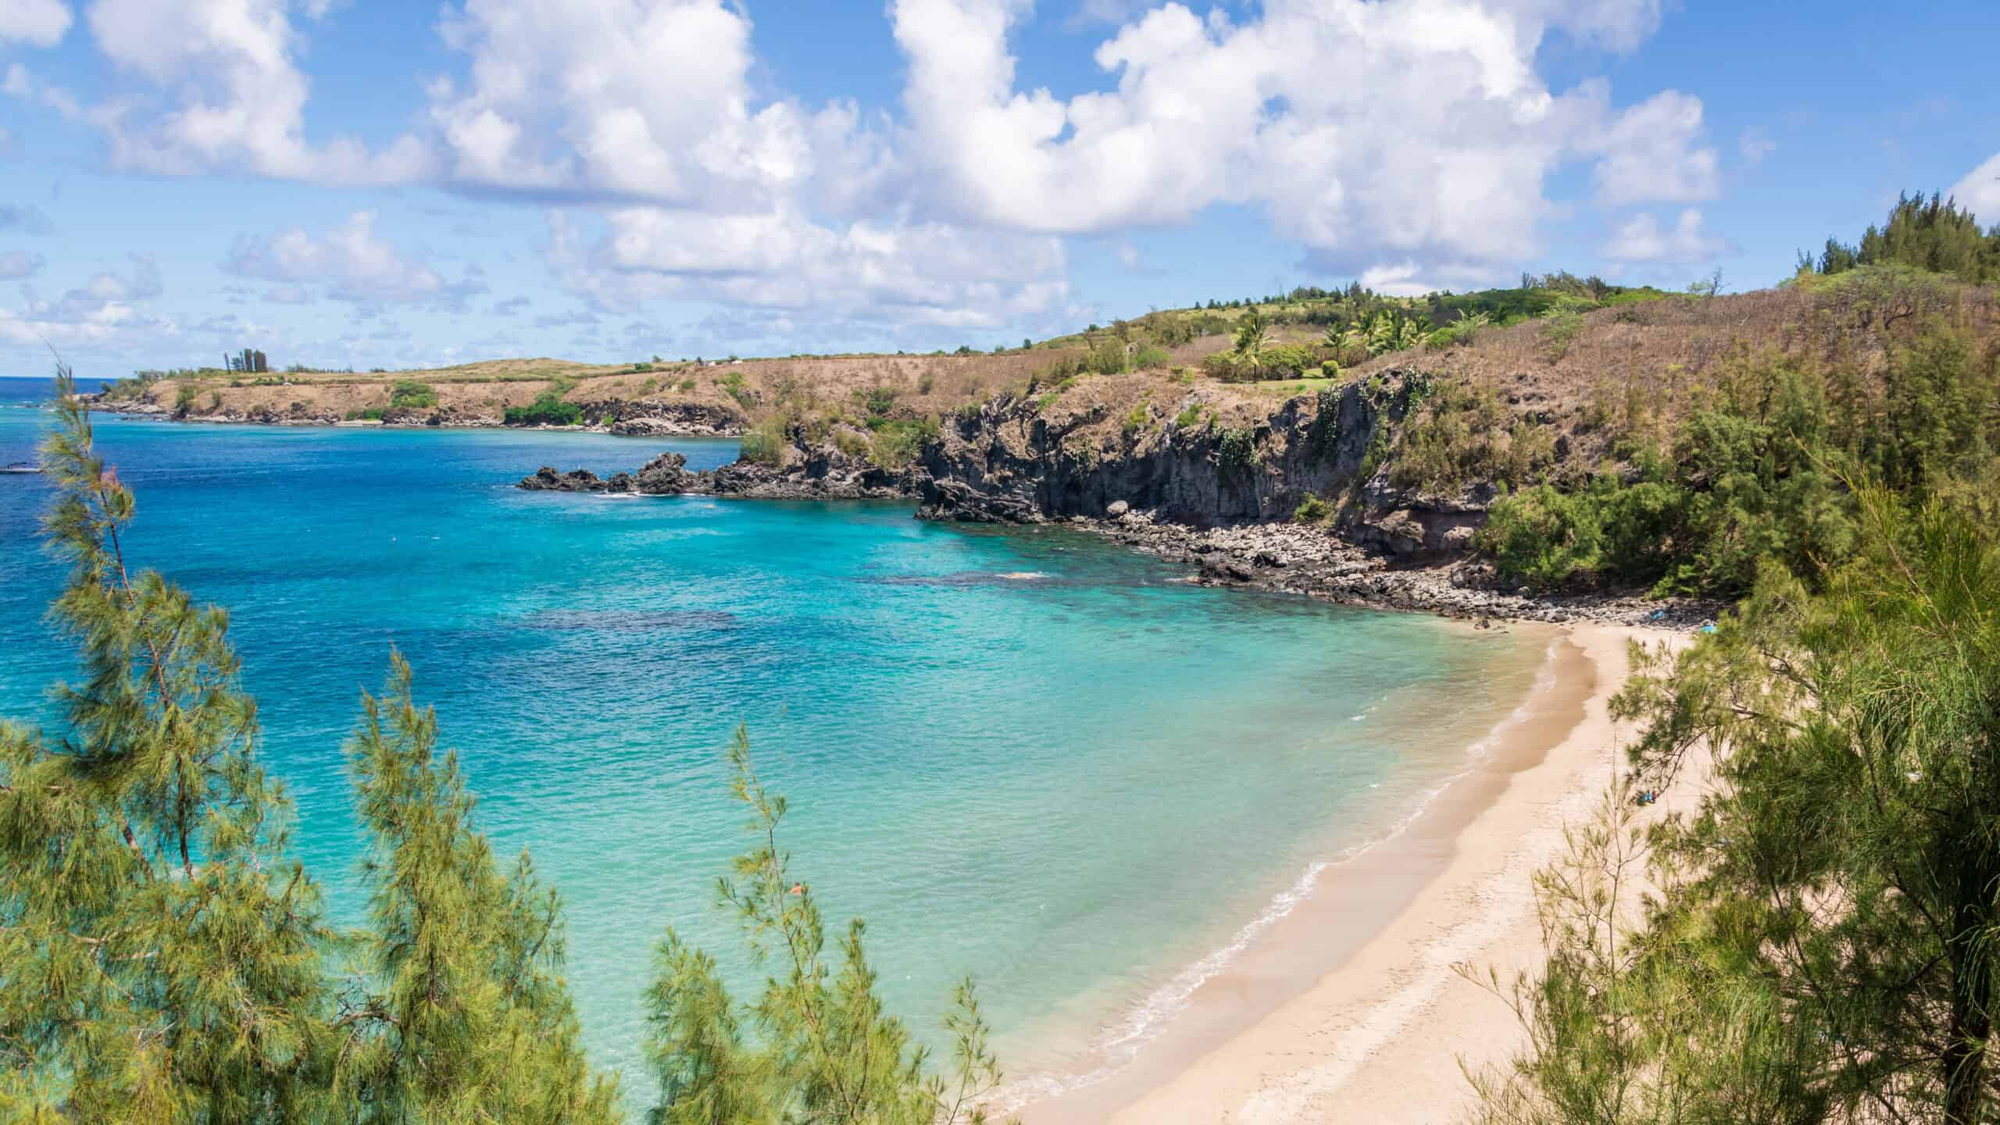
<point x="1121" y="1043"/>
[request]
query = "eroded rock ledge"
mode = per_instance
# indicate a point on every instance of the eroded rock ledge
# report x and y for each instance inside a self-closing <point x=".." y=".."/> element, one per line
<point x="805" y="477"/>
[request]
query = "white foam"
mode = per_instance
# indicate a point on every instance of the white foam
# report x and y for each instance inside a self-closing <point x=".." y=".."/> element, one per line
<point x="1122" y="1041"/>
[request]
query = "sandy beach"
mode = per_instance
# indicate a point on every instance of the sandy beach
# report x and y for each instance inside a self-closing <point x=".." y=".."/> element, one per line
<point x="1350" y="1010"/>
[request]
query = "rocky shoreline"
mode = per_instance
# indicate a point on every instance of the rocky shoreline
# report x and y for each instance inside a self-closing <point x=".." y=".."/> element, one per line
<point x="1279" y="557"/>
<point x="823" y="475"/>
<point x="625" y="419"/>
<point x="1312" y="560"/>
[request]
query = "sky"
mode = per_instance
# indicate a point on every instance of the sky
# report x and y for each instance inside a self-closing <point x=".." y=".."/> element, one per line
<point x="399" y="183"/>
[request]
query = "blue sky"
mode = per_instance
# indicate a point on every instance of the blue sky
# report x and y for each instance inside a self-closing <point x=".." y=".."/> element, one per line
<point x="353" y="182"/>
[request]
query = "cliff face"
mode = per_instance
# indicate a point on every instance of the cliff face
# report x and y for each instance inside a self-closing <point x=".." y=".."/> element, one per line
<point x="1012" y="463"/>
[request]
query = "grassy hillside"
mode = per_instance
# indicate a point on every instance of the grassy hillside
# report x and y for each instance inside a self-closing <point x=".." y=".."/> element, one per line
<point x="1629" y="437"/>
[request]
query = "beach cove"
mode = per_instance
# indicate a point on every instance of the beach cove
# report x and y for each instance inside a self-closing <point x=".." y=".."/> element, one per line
<point x="1013" y="702"/>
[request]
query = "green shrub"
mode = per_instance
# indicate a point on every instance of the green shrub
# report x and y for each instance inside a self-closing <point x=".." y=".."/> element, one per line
<point x="896" y="444"/>
<point x="1544" y="536"/>
<point x="1458" y="433"/>
<point x="852" y="444"/>
<point x="1149" y="358"/>
<point x="1285" y="361"/>
<point x="877" y="401"/>
<point x="548" y="409"/>
<point x="687" y="384"/>
<point x="1560" y="328"/>
<point x="1136" y="419"/>
<point x="1189" y="415"/>
<point x="1236" y="454"/>
<point x="1106" y="358"/>
<point x="764" y="443"/>
<point x="1312" y="510"/>
<point x="411" y="394"/>
<point x="732" y="383"/>
<point x="1229" y="367"/>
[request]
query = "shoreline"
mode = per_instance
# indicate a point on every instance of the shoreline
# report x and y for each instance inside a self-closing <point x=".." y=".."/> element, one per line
<point x="1348" y="1007"/>
<point x="1276" y="556"/>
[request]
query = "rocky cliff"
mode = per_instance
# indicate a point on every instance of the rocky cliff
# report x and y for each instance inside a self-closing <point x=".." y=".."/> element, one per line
<point x="1017" y="462"/>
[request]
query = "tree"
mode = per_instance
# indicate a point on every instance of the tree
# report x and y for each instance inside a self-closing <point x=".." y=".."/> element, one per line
<point x="1410" y="333"/>
<point x="1251" y="333"/>
<point x="465" y="1016"/>
<point x="1824" y="947"/>
<point x="825" y="1051"/>
<point x="163" y="960"/>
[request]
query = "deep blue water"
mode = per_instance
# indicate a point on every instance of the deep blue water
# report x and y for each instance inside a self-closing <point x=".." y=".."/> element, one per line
<point x="1024" y="754"/>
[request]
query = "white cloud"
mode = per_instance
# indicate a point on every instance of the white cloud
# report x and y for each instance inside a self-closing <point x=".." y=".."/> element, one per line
<point x="628" y="101"/>
<point x="920" y="273"/>
<point x="1641" y="239"/>
<point x="1755" y="145"/>
<point x="20" y="263"/>
<point x="235" y="96"/>
<point x="1979" y="191"/>
<point x="350" y="263"/>
<point x="39" y="22"/>
<point x="1411" y="141"/>
<point x="104" y="308"/>
<point x="1403" y="130"/>
<point x="1652" y="154"/>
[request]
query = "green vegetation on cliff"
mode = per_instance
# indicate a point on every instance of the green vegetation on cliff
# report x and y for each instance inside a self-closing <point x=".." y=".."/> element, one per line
<point x="1763" y="468"/>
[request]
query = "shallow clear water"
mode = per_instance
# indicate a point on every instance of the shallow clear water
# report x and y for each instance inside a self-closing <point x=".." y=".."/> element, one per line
<point x="1072" y="785"/>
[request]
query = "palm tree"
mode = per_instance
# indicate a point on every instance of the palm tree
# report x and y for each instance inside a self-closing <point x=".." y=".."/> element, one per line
<point x="1382" y="334"/>
<point x="1250" y="335"/>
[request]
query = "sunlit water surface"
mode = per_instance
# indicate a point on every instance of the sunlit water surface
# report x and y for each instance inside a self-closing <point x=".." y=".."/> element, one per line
<point x="1022" y="754"/>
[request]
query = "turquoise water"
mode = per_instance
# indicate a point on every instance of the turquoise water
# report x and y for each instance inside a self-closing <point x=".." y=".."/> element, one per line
<point x="1074" y="784"/>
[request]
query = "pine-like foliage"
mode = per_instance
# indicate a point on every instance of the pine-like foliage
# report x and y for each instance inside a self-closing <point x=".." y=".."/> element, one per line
<point x="1932" y="234"/>
<point x="463" y="1016"/>
<point x="1825" y="945"/>
<point x="161" y="960"/>
<point x="824" y="1049"/>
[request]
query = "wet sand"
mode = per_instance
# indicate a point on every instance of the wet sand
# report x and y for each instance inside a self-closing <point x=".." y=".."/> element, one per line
<point x="1349" y="1009"/>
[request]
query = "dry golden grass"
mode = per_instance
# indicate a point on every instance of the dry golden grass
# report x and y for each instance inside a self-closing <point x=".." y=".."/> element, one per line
<point x="1655" y="354"/>
<point x="1655" y="359"/>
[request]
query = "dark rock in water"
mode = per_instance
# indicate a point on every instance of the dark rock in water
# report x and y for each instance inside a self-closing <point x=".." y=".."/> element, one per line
<point x="664" y="475"/>
<point x="546" y="479"/>
<point x="820" y="472"/>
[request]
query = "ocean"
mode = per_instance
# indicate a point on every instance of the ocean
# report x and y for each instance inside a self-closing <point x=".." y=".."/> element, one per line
<point x="1023" y="754"/>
